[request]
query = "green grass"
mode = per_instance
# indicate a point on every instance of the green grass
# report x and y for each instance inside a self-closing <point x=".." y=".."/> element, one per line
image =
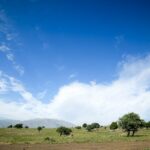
<point x="79" y="136"/>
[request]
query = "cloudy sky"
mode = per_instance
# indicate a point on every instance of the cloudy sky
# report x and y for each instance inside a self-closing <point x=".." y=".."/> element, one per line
<point x="75" y="60"/>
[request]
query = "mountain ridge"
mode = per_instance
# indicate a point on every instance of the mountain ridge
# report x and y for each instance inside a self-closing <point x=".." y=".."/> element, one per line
<point x="34" y="123"/>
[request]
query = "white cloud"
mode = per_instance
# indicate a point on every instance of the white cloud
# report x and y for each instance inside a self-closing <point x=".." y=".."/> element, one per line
<point x="4" y="48"/>
<point x="89" y="102"/>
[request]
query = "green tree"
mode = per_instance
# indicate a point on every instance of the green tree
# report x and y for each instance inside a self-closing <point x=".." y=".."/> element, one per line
<point x="10" y="126"/>
<point x="95" y="125"/>
<point x="113" y="126"/>
<point x="84" y="125"/>
<point x="26" y="127"/>
<point x="147" y="125"/>
<point x="78" y="127"/>
<point x="18" y="126"/>
<point x="64" y="131"/>
<point x="130" y="123"/>
<point x="89" y="128"/>
<point x="39" y="129"/>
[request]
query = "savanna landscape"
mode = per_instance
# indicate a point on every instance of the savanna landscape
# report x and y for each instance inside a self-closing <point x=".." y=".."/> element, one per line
<point x="90" y="137"/>
<point x="74" y="74"/>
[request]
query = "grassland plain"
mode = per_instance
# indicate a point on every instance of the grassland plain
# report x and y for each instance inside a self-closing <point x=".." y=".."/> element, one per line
<point x="32" y="136"/>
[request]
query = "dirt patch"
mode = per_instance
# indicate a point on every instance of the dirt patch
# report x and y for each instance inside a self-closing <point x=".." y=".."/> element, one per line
<point x="145" y="145"/>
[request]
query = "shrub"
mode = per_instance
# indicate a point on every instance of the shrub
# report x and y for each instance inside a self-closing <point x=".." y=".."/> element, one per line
<point x="39" y="128"/>
<point x="95" y="125"/>
<point x="89" y="128"/>
<point x="10" y="126"/>
<point x="84" y="125"/>
<point x="49" y="139"/>
<point x="78" y="127"/>
<point x="64" y="131"/>
<point x="18" y="126"/>
<point x="113" y="126"/>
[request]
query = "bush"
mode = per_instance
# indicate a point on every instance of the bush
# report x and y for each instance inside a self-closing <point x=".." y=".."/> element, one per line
<point x="89" y="128"/>
<point x="10" y="126"/>
<point x="64" y="131"/>
<point x="84" y="125"/>
<point x="95" y="125"/>
<point x="78" y="127"/>
<point x="147" y="125"/>
<point x="26" y="127"/>
<point x="49" y="139"/>
<point x="39" y="128"/>
<point x="113" y="126"/>
<point x="92" y="126"/>
<point x="18" y="126"/>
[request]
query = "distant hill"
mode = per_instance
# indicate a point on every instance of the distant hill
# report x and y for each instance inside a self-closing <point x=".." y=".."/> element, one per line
<point x="34" y="123"/>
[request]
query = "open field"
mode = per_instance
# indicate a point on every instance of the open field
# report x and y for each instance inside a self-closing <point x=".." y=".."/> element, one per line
<point x="98" y="139"/>
<point x="82" y="146"/>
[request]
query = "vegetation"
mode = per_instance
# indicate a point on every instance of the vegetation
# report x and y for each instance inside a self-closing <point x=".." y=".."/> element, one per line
<point x="84" y="125"/>
<point x="95" y="125"/>
<point x="78" y="127"/>
<point x="89" y="128"/>
<point x="18" y="126"/>
<point x="147" y="125"/>
<point x="26" y="127"/>
<point x="92" y="126"/>
<point x="39" y="128"/>
<point x="130" y="123"/>
<point x="64" y="131"/>
<point x="31" y="136"/>
<point x="113" y="126"/>
<point x="10" y="126"/>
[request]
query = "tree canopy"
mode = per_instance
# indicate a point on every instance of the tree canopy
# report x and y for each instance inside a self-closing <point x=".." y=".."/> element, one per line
<point x="113" y="126"/>
<point x="64" y="131"/>
<point x="130" y="123"/>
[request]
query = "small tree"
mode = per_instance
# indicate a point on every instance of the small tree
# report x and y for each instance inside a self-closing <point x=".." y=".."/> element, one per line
<point x="64" y="131"/>
<point x="19" y="126"/>
<point x="130" y="123"/>
<point x="147" y="125"/>
<point x="89" y="128"/>
<point x="113" y="126"/>
<point x="26" y="127"/>
<point x="84" y="125"/>
<point x="10" y="126"/>
<point x="95" y="125"/>
<point x="78" y="127"/>
<point x="39" y="129"/>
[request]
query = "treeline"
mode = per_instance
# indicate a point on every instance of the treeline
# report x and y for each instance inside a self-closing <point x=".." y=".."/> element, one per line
<point x="18" y="126"/>
<point x="129" y="123"/>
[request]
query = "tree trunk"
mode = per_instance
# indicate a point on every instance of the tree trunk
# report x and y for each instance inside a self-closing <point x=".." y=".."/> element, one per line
<point x="128" y="134"/>
<point x="133" y="133"/>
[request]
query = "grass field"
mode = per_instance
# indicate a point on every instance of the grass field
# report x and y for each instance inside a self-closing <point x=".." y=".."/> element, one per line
<point x="32" y="136"/>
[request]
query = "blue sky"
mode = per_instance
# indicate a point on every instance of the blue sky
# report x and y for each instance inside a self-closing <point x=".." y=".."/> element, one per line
<point x="56" y="43"/>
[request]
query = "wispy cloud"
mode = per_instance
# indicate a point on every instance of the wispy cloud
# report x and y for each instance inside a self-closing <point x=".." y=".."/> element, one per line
<point x="7" y="36"/>
<point x="118" y="41"/>
<point x="87" y="102"/>
<point x="59" y="67"/>
<point x="73" y="75"/>
<point x="42" y="94"/>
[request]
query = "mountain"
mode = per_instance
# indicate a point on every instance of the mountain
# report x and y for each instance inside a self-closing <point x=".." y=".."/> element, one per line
<point x="34" y="123"/>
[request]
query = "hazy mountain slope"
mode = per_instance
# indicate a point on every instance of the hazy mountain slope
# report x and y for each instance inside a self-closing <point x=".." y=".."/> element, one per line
<point x="33" y="123"/>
